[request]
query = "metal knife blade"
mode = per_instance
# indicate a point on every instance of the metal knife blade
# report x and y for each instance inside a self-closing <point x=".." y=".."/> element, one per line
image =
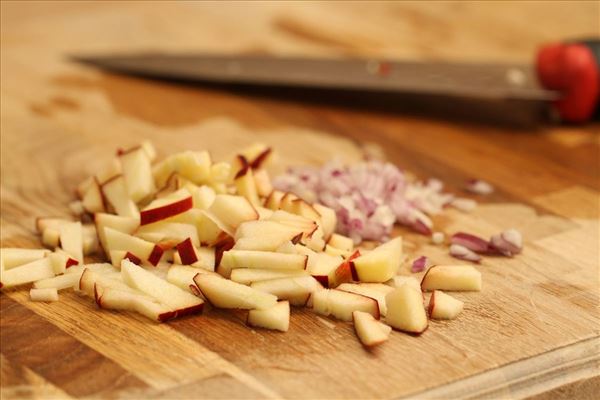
<point x="486" y="81"/>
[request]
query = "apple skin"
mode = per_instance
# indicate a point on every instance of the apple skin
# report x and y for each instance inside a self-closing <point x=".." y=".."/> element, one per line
<point x="223" y="243"/>
<point x="156" y="255"/>
<point x="186" y="252"/>
<point x="346" y="271"/>
<point x="166" y="211"/>
<point x="133" y="258"/>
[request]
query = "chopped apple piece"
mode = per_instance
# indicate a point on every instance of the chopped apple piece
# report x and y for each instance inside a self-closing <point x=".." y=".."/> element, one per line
<point x="230" y="211"/>
<point x="307" y="226"/>
<point x="244" y="183"/>
<point x="377" y="293"/>
<point x="306" y="210"/>
<point x="220" y="172"/>
<point x="380" y="264"/>
<point x="90" y="281"/>
<point x="328" y="219"/>
<point x="444" y="306"/>
<point x="287" y="247"/>
<point x="342" y="304"/>
<point x="142" y="249"/>
<point x="368" y="329"/>
<point x="287" y="203"/>
<point x="148" y="147"/>
<point x="315" y="240"/>
<point x="43" y="223"/>
<point x="109" y="171"/>
<point x="92" y="199"/>
<point x="26" y="273"/>
<point x="253" y="229"/>
<point x="61" y="260"/>
<point x="452" y="278"/>
<point x="260" y="259"/>
<point x="262" y="182"/>
<point x="400" y="280"/>
<point x="273" y="201"/>
<point x="116" y="299"/>
<point x="48" y="294"/>
<point x="276" y="317"/>
<point x="13" y="257"/>
<point x="263" y="213"/>
<point x="194" y="165"/>
<point x="137" y="173"/>
<point x="168" y="232"/>
<point x="203" y="197"/>
<point x="51" y="238"/>
<point x="288" y="287"/>
<point x="224" y="293"/>
<point x="321" y="266"/>
<point x="59" y="282"/>
<point x="71" y="239"/>
<point x="334" y="251"/>
<point x="202" y="257"/>
<point x="116" y="256"/>
<point x="122" y="224"/>
<point x="183" y="276"/>
<point x="115" y="192"/>
<point x="166" y="207"/>
<point x="341" y="242"/>
<point x="89" y="239"/>
<point x="179" y="300"/>
<point x="247" y="276"/>
<point x="345" y="272"/>
<point x="405" y="310"/>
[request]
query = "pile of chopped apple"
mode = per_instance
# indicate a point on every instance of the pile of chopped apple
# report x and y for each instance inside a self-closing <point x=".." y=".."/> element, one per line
<point x="186" y="231"/>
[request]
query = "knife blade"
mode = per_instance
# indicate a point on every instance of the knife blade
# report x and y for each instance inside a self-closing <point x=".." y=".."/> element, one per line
<point x="485" y="81"/>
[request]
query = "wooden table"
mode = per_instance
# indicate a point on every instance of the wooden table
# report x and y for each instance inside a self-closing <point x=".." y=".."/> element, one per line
<point x="534" y="327"/>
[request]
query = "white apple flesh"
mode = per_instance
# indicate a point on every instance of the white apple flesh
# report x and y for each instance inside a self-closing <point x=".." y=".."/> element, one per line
<point x="166" y="293"/>
<point x="247" y="276"/>
<point x="288" y="287"/>
<point x="276" y="317"/>
<point x="223" y="293"/>
<point x="341" y="305"/>
<point x="47" y="294"/>
<point x="368" y="329"/>
<point x="380" y="264"/>
<point x="452" y="278"/>
<point x="444" y="306"/>
<point x="405" y="310"/>
<point x="13" y="257"/>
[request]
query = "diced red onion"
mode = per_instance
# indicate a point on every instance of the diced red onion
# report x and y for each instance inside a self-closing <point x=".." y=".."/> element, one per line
<point x="479" y="186"/>
<point x="508" y="243"/>
<point x="368" y="197"/>
<point x="463" y="253"/>
<point x="419" y="264"/>
<point x="471" y="242"/>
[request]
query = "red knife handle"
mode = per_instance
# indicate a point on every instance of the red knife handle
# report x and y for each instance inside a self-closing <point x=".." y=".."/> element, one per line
<point x="574" y="70"/>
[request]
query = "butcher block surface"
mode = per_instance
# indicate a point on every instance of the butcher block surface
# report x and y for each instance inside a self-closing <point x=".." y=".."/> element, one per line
<point x="533" y="328"/>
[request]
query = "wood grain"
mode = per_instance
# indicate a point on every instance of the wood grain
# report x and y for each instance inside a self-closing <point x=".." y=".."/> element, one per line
<point x="535" y="325"/>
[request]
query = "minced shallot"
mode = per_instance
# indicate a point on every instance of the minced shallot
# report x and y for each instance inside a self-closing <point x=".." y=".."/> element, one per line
<point x="368" y="197"/>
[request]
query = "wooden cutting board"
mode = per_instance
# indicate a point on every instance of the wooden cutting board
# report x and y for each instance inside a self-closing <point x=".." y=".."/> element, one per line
<point x="534" y="326"/>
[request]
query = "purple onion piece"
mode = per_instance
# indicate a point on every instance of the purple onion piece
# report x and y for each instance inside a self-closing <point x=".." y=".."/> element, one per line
<point x="471" y="242"/>
<point x="419" y="264"/>
<point x="507" y="243"/>
<point x="463" y="253"/>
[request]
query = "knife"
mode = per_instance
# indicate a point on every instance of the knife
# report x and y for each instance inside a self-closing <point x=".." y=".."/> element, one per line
<point x="565" y="74"/>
